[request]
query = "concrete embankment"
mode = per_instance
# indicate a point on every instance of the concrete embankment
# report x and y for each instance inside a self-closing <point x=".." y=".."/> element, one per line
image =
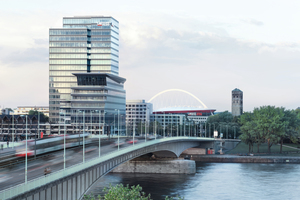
<point x="178" y="166"/>
<point x="245" y="159"/>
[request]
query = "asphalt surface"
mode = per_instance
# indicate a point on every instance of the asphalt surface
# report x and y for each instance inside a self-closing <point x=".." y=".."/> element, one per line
<point x="16" y="175"/>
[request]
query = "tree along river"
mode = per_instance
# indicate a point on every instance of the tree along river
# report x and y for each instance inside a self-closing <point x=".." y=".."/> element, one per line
<point x="216" y="181"/>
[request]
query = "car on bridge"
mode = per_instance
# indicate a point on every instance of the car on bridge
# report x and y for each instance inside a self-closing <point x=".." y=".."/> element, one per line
<point x="131" y="141"/>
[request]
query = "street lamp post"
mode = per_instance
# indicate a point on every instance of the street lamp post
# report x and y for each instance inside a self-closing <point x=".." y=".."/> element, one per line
<point x="65" y="140"/>
<point x="189" y="128"/>
<point x="171" y="124"/>
<point x="104" y="122"/>
<point x="13" y="119"/>
<point x="164" y="125"/>
<point x="145" y="130"/>
<point x="118" y="129"/>
<point x="205" y="128"/>
<point x="133" y="131"/>
<point x="114" y="124"/>
<point x="38" y="124"/>
<point x="126" y="127"/>
<point x="177" y="124"/>
<point x="141" y="127"/>
<point x="91" y="111"/>
<point x="59" y="124"/>
<point x="83" y="145"/>
<point x="146" y="125"/>
<point x="180" y="127"/>
<point x="26" y="154"/>
<point x="155" y="124"/>
<point x="184" y="127"/>
<point x="99" y="131"/>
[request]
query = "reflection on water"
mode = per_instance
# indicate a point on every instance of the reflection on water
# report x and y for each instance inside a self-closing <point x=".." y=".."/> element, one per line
<point x="217" y="181"/>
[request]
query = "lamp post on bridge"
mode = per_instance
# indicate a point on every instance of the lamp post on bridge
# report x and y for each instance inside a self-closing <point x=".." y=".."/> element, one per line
<point x="65" y="140"/>
<point x="184" y="127"/>
<point x="205" y="128"/>
<point x="164" y="125"/>
<point x="171" y="124"/>
<point x="189" y="128"/>
<point x="83" y="142"/>
<point x="118" y="129"/>
<point x="26" y="154"/>
<point x="177" y="125"/>
<point x="155" y="125"/>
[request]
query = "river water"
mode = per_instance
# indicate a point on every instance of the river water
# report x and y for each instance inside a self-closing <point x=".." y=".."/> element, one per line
<point x="216" y="181"/>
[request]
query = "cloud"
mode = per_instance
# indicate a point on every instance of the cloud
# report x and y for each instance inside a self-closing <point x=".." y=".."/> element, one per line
<point x="41" y="41"/>
<point x="30" y="55"/>
<point x="167" y="46"/>
<point x="253" y="22"/>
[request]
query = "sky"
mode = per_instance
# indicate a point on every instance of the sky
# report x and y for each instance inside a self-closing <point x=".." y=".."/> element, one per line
<point x="207" y="48"/>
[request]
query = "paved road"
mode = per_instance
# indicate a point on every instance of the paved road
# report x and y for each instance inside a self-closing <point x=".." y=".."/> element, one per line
<point x="16" y="175"/>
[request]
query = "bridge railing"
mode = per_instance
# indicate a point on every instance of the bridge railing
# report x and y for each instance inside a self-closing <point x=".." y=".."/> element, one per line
<point x="32" y="184"/>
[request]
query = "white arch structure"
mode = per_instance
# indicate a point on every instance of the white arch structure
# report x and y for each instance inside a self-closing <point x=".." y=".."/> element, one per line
<point x="178" y="90"/>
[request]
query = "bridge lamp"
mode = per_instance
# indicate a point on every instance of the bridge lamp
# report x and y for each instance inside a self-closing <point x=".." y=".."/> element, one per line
<point x="83" y="136"/>
<point x="184" y="126"/>
<point x="133" y="130"/>
<point x="26" y="154"/>
<point x="204" y="126"/>
<point x="164" y="124"/>
<point x="189" y="128"/>
<point x="64" y="140"/>
<point x="177" y="124"/>
<point x="154" y="125"/>
<point x="171" y="124"/>
<point x="13" y="119"/>
<point x="83" y="142"/>
<point x="99" y="128"/>
<point x="91" y="121"/>
<point x="146" y="125"/>
<point x="118" y="128"/>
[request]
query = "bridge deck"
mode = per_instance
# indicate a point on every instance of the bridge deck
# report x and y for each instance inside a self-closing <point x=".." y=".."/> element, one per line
<point x="122" y="155"/>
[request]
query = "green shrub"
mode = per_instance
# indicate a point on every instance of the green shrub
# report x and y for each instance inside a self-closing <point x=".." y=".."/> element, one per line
<point x="120" y="192"/>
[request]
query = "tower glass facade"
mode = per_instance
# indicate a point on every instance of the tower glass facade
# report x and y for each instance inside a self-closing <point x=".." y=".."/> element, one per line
<point x="84" y="45"/>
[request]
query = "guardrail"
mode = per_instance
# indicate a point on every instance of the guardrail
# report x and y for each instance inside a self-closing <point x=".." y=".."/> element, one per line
<point x="32" y="184"/>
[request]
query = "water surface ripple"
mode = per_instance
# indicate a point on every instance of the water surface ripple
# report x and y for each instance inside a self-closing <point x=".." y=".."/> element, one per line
<point x="216" y="181"/>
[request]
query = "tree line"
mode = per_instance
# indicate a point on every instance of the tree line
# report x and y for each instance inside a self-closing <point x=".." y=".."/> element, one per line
<point x="266" y="124"/>
<point x="271" y="125"/>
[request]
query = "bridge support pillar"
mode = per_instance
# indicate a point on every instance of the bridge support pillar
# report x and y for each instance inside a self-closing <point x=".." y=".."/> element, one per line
<point x="162" y="166"/>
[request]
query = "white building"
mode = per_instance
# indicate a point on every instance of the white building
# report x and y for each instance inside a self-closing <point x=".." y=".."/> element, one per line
<point x="138" y="111"/>
<point x="24" y="110"/>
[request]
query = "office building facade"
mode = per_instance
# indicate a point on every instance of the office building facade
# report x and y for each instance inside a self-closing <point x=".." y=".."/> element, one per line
<point x="137" y="112"/>
<point x="84" y="70"/>
<point x="237" y="102"/>
<point x="84" y="44"/>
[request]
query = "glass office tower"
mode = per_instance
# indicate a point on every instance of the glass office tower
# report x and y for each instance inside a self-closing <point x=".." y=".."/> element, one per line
<point x="88" y="44"/>
<point x="84" y="84"/>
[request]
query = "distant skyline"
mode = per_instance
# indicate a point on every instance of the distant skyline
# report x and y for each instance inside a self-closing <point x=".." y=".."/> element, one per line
<point x="205" y="48"/>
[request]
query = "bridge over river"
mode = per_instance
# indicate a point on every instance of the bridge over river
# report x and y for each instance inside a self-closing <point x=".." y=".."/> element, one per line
<point x="73" y="181"/>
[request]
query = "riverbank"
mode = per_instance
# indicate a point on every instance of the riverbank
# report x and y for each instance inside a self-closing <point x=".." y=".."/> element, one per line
<point x="245" y="159"/>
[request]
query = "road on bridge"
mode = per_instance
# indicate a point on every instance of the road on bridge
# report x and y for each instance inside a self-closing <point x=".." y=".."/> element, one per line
<point x="13" y="176"/>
